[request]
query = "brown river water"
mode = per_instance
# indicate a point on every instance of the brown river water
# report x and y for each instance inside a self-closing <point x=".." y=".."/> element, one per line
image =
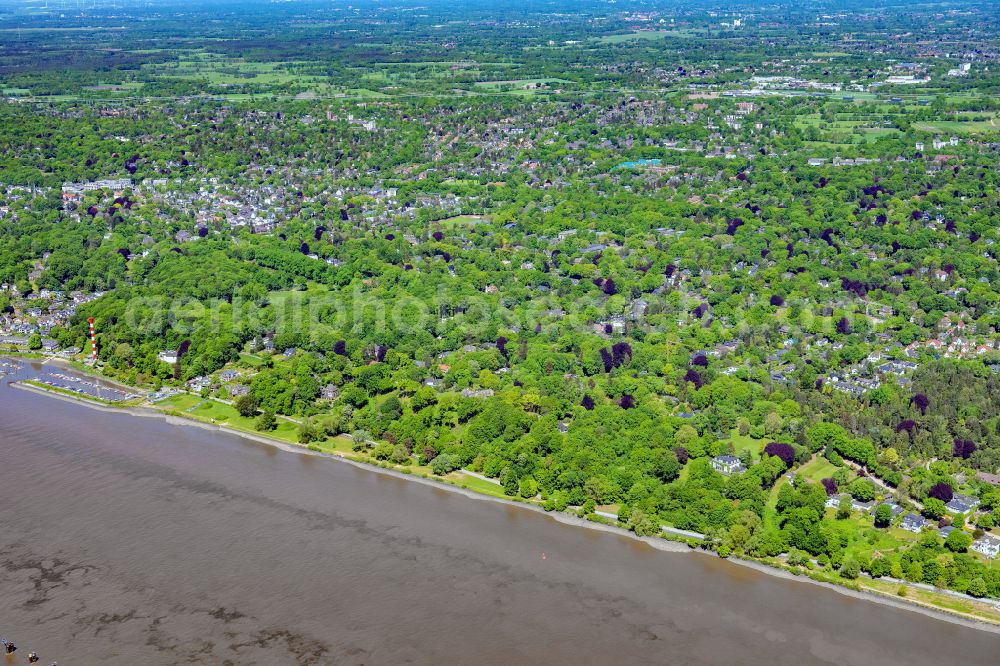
<point x="127" y="540"/>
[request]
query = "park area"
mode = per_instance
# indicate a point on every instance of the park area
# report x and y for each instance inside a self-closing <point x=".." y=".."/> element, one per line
<point x="219" y="413"/>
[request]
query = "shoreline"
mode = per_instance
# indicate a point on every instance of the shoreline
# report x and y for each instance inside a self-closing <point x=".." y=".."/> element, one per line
<point x="659" y="543"/>
<point x="66" y="365"/>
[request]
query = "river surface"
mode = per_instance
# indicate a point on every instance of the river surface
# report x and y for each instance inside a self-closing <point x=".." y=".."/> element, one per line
<point x="127" y="540"/>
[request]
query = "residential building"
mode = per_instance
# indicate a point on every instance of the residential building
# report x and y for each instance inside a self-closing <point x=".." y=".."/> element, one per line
<point x="946" y="530"/>
<point x="987" y="545"/>
<point x="728" y="464"/>
<point x="913" y="523"/>
<point x="897" y="510"/>
<point x="962" y="504"/>
<point x="863" y="507"/>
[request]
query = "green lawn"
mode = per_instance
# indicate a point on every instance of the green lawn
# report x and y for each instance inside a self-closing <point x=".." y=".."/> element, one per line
<point x="517" y="83"/>
<point x="212" y="411"/>
<point x="462" y="220"/>
<point x="252" y="360"/>
<point x="959" y="126"/>
<point x="180" y="402"/>
<point x="861" y="528"/>
<point x="842" y="130"/>
<point x="818" y="468"/>
<point x="116" y="87"/>
<point x="340" y="444"/>
<point x="743" y="443"/>
<point x="648" y="35"/>
<point x="476" y="484"/>
<point x="218" y="69"/>
<point x="770" y="513"/>
<point x="218" y="411"/>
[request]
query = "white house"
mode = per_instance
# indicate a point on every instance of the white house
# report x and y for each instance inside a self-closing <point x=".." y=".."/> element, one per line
<point x="728" y="464"/>
<point x="987" y="545"/>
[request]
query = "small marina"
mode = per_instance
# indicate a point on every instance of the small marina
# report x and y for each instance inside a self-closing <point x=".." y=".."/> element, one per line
<point x="61" y="379"/>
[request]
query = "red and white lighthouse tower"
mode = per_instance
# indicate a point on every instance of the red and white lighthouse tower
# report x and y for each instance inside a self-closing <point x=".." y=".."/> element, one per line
<point x="93" y="342"/>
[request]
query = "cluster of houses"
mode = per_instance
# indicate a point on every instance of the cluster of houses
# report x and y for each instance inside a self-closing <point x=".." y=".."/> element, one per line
<point x="963" y="69"/>
<point x="73" y="193"/>
<point x="253" y="203"/>
<point x="15" y="200"/>
<point x="39" y="313"/>
<point x="954" y="346"/>
<point x="841" y="161"/>
<point x="938" y="143"/>
<point x="987" y="545"/>
<point x="232" y="380"/>
<point x="265" y="196"/>
<point x="765" y="83"/>
<point x="860" y="378"/>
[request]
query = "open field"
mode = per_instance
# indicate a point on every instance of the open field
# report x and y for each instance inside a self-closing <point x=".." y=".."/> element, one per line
<point x="648" y="35"/>
<point x="129" y="86"/>
<point x="818" y="468"/>
<point x="870" y="126"/>
<point x="962" y="126"/>
<point x="480" y="486"/>
<point x="212" y="411"/>
<point x="87" y="28"/>
<point x="340" y="445"/>
<point x="220" y="70"/>
<point x="842" y="130"/>
<point x="525" y="84"/>
<point x="251" y="359"/>
<point x="743" y="443"/>
<point x="462" y="220"/>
